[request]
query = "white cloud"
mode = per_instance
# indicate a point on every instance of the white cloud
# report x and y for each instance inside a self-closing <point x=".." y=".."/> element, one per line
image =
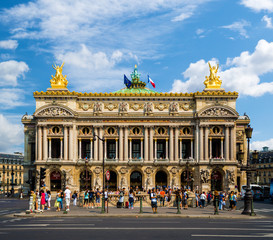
<point x="11" y="98"/>
<point x="11" y="135"/>
<point x="9" y="44"/>
<point x="199" y="31"/>
<point x="258" y="145"/>
<point x="10" y="72"/>
<point x="94" y="71"/>
<point x="258" y="5"/>
<point x="239" y="27"/>
<point x="242" y="73"/>
<point x="268" y="21"/>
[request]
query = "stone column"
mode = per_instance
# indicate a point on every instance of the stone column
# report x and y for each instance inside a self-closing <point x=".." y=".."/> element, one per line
<point x="96" y="145"/>
<point x="206" y="143"/>
<point x="176" y="133"/>
<point x="155" y="157"/>
<point x="80" y="148"/>
<point x="61" y="148"/>
<point x="70" y="143"/>
<point x="171" y="143"/>
<point x="65" y="143"/>
<point x="210" y="148"/>
<point x="91" y="148"/>
<point x="222" y="148"/>
<point x="180" y="151"/>
<point x="191" y="148"/>
<point x="146" y="147"/>
<point x="151" y="143"/>
<point x="101" y="153"/>
<point x="126" y="144"/>
<point x="116" y="149"/>
<point x="201" y="145"/>
<point x="105" y="149"/>
<point x="39" y="143"/>
<point x="121" y="143"/>
<point x="196" y="143"/>
<point x="45" y="148"/>
<point x="75" y="141"/>
<point x="226" y="143"/>
<point x="49" y="152"/>
<point x="130" y="156"/>
<point x="141" y="148"/>
<point x="232" y="144"/>
<point x="167" y="148"/>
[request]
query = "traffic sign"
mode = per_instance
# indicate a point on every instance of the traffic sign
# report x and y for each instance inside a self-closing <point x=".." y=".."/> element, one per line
<point x="107" y="174"/>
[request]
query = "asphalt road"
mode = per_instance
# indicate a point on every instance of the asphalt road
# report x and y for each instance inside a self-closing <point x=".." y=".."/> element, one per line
<point x="132" y="228"/>
<point x="141" y="228"/>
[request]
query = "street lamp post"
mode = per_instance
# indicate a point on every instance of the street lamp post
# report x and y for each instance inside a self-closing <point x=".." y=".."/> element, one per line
<point x="103" y="173"/>
<point x="12" y="181"/>
<point x="3" y="180"/>
<point x="86" y="173"/>
<point x="187" y="169"/>
<point x="248" y="204"/>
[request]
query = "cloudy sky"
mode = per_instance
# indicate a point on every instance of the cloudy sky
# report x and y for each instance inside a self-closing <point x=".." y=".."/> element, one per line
<point x="171" y="40"/>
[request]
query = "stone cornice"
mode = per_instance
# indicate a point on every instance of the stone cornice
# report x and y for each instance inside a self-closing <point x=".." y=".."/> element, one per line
<point x="80" y="94"/>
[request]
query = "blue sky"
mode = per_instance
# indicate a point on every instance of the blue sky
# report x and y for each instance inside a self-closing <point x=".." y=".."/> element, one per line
<point x="170" y="40"/>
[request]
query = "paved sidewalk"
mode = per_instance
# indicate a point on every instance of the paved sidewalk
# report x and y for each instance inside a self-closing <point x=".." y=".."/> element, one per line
<point x="166" y="212"/>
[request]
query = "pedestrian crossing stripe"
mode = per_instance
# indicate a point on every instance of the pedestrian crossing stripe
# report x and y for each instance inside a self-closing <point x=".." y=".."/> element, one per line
<point x="263" y="210"/>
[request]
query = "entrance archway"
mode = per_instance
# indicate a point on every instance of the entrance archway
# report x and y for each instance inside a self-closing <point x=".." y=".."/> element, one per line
<point x="161" y="179"/>
<point x="55" y="181"/>
<point x="136" y="180"/>
<point x="85" y="180"/>
<point x="187" y="179"/>
<point x="216" y="181"/>
<point x="112" y="184"/>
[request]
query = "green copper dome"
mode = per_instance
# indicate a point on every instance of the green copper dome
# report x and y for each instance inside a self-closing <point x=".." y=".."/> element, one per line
<point x="137" y="85"/>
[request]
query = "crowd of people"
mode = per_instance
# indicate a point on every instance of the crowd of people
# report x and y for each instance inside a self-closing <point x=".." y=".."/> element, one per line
<point x="158" y="197"/>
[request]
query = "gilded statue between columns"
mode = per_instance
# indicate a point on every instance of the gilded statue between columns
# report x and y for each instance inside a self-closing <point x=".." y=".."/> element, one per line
<point x="58" y="81"/>
<point x="213" y="81"/>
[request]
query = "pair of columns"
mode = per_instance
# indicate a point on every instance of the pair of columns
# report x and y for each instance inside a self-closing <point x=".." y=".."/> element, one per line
<point x="44" y="145"/>
<point x="228" y="143"/>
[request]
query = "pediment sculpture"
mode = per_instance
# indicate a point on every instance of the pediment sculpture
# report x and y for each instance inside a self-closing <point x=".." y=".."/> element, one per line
<point x="55" y="112"/>
<point x="217" y="112"/>
<point x="123" y="107"/>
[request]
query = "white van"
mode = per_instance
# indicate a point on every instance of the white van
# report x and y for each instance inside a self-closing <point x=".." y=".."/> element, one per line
<point x="256" y="190"/>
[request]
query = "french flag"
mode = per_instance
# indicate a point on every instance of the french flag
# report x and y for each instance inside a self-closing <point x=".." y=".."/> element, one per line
<point x="151" y="81"/>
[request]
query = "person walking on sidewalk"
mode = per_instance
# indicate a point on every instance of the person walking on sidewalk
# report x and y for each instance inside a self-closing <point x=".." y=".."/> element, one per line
<point x="86" y="198"/>
<point x="203" y="199"/>
<point x="131" y="199"/>
<point x="154" y="201"/>
<point x="98" y="198"/>
<point x="67" y="195"/>
<point x="74" y="197"/>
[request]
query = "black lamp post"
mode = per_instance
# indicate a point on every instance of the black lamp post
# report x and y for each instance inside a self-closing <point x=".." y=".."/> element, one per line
<point x="103" y="174"/>
<point x="248" y="199"/>
<point x="12" y="181"/>
<point x="187" y="169"/>
<point x="3" y="179"/>
<point x="87" y="178"/>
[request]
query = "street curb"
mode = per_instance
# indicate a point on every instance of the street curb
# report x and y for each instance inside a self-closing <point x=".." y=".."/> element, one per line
<point x="23" y="215"/>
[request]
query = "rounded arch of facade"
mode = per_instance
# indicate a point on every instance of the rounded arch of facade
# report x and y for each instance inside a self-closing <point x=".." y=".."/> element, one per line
<point x="162" y="169"/>
<point x="136" y="169"/>
<point x="115" y="171"/>
<point x="231" y="112"/>
<point x="60" y="106"/>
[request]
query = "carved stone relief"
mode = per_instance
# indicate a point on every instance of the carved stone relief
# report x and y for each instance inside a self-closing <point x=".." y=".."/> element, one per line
<point x="230" y="176"/>
<point x="86" y="106"/>
<point x="55" y="112"/>
<point x="111" y="106"/>
<point x="148" y="108"/>
<point x="217" y="112"/>
<point x="136" y="106"/>
<point x="161" y="106"/>
<point x="204" y="176"/>
<point x="173" y="108"/>
<point x="98" y="107"/>
<point x="123" y="108"/>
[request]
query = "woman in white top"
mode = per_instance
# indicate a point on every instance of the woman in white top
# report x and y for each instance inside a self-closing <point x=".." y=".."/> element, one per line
<point x="131" y="199"/>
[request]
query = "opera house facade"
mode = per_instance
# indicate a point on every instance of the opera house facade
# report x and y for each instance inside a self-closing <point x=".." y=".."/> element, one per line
<point x="145" y="138"/>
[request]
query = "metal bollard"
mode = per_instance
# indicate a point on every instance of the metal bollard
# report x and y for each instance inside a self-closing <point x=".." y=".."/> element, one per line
<point x="140" y="205"/>
<point x="252" y="208"/>
<point x="39" y="203"/>
<point x="30" y="203"/>
<point x="216" y="207"/>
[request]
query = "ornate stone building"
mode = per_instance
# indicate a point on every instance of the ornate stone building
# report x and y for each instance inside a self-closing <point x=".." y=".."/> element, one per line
<point x="151" y="138"/>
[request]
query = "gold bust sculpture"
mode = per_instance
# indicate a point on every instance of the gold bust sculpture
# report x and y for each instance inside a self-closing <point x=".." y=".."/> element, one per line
<point x="212" y="81"/>
<point x="58" y="81"/>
